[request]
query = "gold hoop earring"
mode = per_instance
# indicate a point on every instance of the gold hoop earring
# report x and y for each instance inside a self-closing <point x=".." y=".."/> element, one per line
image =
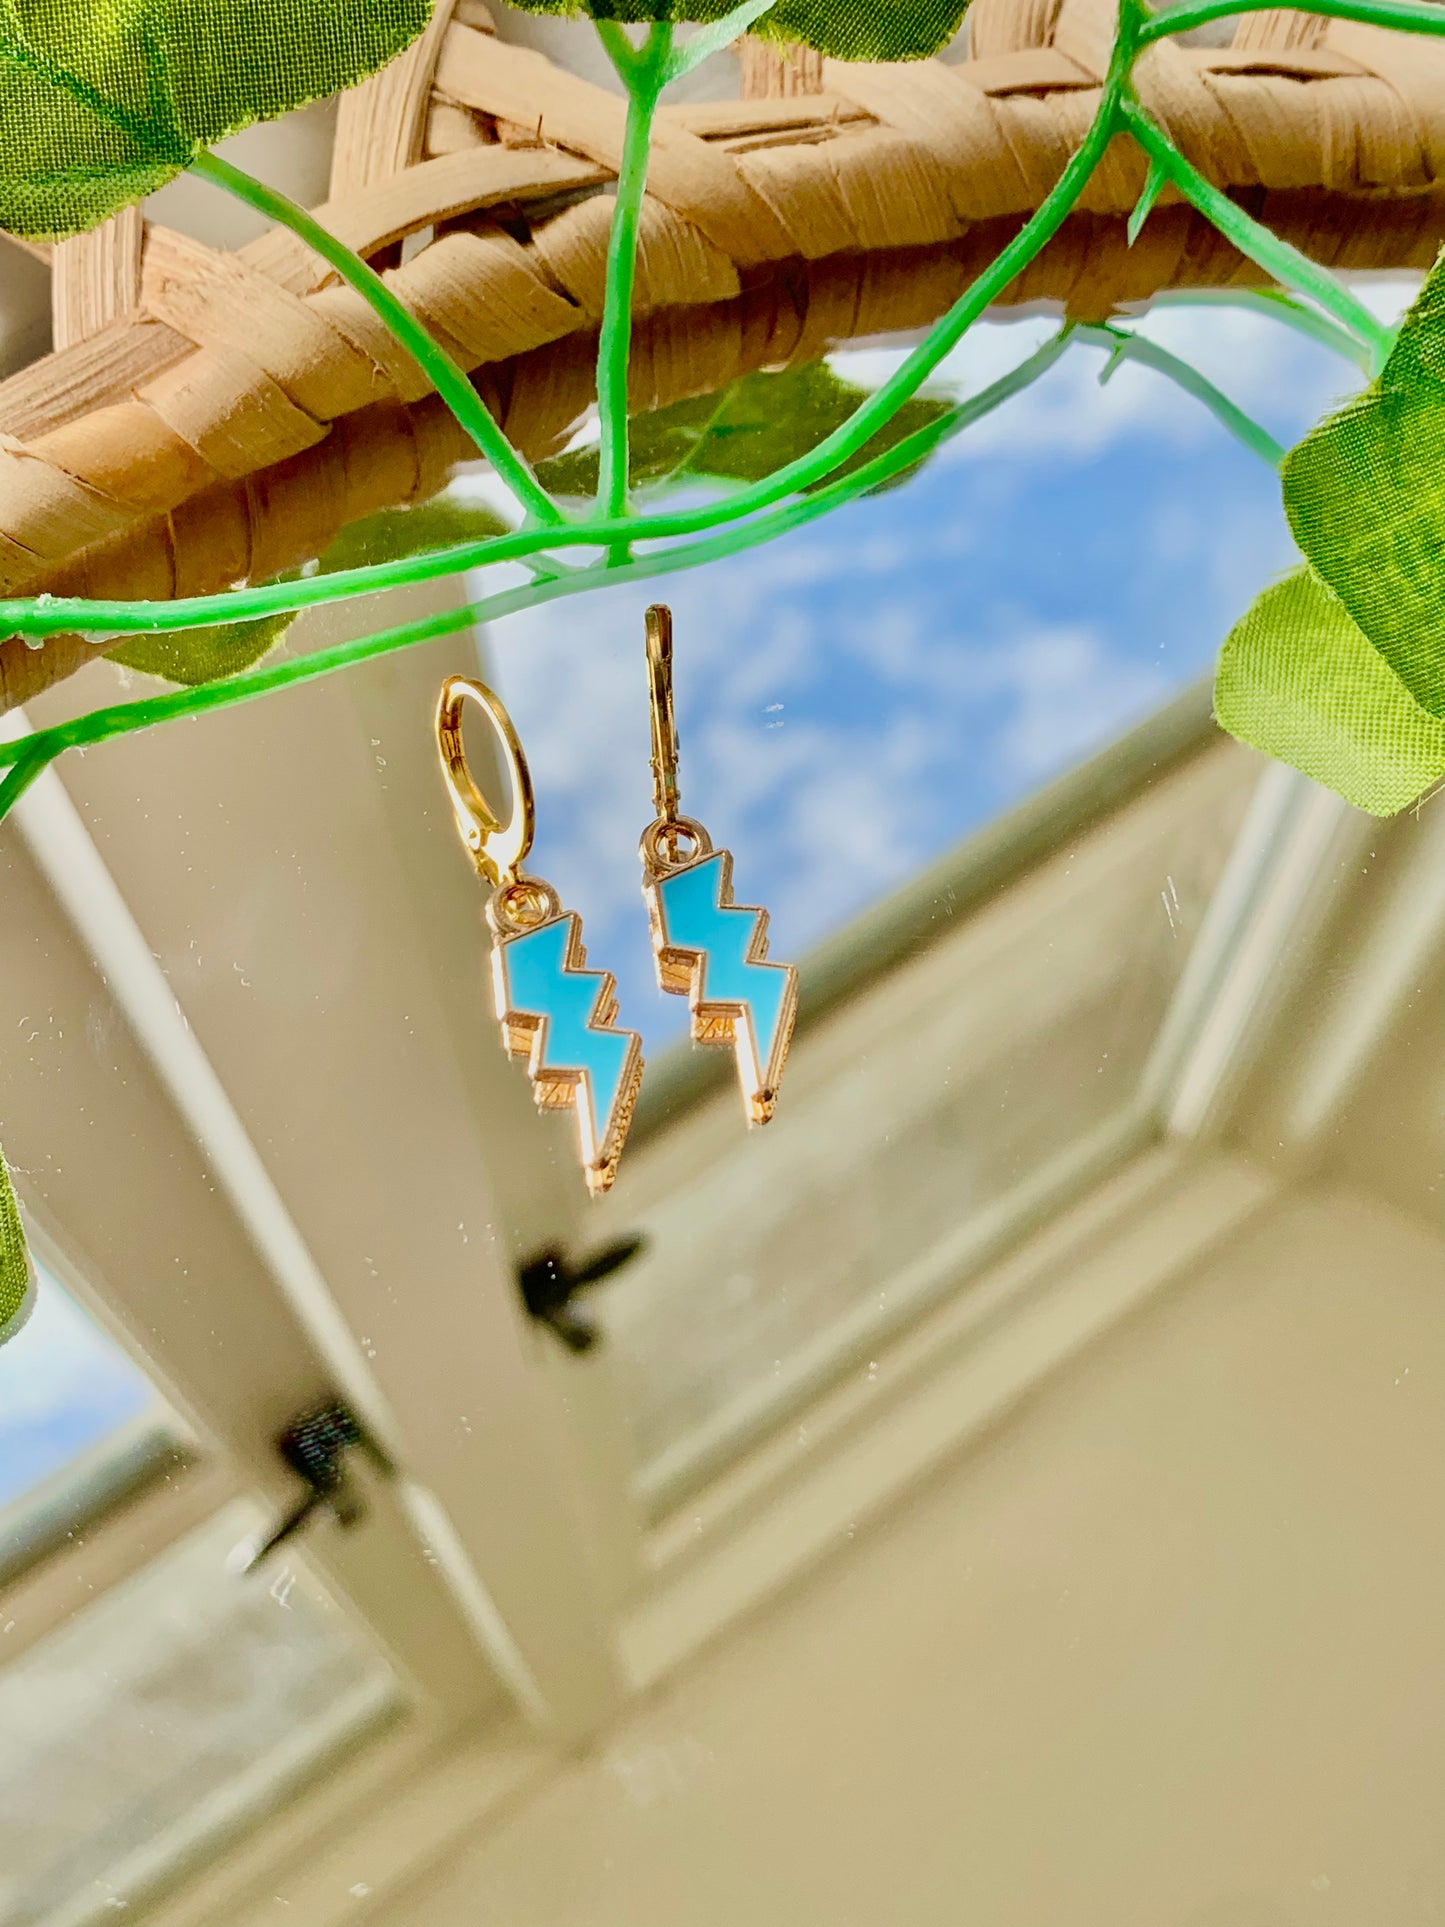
<point x="553" y="1010"/>
<point x="708" y="948"/>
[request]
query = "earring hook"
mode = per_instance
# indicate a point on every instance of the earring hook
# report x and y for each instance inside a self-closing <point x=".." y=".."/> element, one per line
<point x="497" y="848"/>
<point x="665" y="796"/>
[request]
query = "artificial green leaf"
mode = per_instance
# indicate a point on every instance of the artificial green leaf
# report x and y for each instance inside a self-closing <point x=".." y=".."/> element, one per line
<point x="632" y="13"/>
<point x="659" y="445"/>
<point x="17" y="1290"/>
<point x="192" y="656"/>
<point x="847" y="29"/>
<point x="103" y="101"/>
<point x="1300" y="680"/>
<point x="441" y="523"/>
<point x="866" y="29"/>
<point x="744" y="433"/>
<point x="1365" y="495"/>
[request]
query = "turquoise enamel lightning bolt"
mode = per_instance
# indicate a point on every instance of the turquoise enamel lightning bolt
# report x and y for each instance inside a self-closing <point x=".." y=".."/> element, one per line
<point x="553" y="1010"/>
<point x="708" y="948"/>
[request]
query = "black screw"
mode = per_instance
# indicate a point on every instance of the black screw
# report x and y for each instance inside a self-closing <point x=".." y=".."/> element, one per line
<point x="550" y="1281"/>
<point x="315" y="1447"/>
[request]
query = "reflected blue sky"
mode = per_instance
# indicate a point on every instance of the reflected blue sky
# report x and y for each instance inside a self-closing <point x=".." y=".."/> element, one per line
<point x="859" y="696"/>
<point x="63" y="1387"/>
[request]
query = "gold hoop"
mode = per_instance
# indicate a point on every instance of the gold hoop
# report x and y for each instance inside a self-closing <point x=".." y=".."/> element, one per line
<point x="496" y="847"/>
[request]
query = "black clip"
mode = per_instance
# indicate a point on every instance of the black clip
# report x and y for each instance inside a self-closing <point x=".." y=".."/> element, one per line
<point x="315" y="1446"/>
<point x="549" y="1283"/>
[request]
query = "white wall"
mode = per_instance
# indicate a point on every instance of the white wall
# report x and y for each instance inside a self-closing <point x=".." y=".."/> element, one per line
<point x="1165" y="1652"/>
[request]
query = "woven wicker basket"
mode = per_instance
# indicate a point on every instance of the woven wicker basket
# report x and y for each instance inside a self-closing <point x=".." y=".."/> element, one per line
<point x="211" y="417"/>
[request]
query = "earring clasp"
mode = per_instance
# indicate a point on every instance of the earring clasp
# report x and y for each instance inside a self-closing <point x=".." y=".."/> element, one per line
<point x="665" y="795"/>
<point x="496" y="847"/>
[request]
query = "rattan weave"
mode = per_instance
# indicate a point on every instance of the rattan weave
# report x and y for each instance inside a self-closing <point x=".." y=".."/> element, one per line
<point x="213" y="417"/>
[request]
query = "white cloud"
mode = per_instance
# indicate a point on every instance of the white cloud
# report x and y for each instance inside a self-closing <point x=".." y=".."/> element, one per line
<point x="62" y="1387"/>
<point x="1067" y="691"/>
<point x="760" y="766"/>
<point x="838" y="794"/>
<point x="1263" y="365"/>
<point x="842" y="717"/>
<point x="58" y="1359"/>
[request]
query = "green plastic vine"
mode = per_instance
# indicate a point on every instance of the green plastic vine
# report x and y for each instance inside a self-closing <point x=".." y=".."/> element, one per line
<point x="1339" y="669"/>
<point x="1408" y="15"/>
<point x="1277" y="306"/>
<point x="1123" y="345"/>
<point x="644" y="74"/>
<point x="445" y="376"/>
<point x="31" y="754"/>
<point x="624" y="543"/>
<point x="1284" y="263"/>
<point x="52" y="615"/>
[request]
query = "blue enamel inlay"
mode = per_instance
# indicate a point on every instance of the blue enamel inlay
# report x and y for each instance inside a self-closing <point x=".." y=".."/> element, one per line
<point x="538" y="984"/>
<point x="694" y="920"/>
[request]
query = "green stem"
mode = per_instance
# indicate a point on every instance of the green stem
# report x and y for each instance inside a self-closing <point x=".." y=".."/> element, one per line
<point x="1278" y="306"/>
<point x="1149" y="354"/>
<point x="644" y="74"/>
<point x="54" y="614"/>
<point x="22" y="774"/>
<point x="946" y="333"/>
<point x="443" y="373"/>
<point x="1411" y="18"/>
<point x="32" y="753"/>
<point x="1278" y="259"/>
<point x="58" y="614"/>
<point x="102" y="725"/>
<point x="711" y="39"/>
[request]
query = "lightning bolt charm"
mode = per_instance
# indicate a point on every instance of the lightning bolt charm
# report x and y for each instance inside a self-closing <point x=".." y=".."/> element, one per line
<point x="713" y="951"/>
<point x="559" y="1016"/>
<point x="708" y="948"/>
<point x="554" y="1011"/>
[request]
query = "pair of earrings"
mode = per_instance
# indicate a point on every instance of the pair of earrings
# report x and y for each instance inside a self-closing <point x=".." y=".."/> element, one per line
<point x="560" y="1015"/>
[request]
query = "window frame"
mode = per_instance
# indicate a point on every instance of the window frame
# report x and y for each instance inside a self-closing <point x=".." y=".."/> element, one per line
<point x="475" y="1592"/>
<point x="523" y="1619"/>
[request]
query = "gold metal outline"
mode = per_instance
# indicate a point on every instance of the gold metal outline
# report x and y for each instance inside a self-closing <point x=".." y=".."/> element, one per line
<point x="518" y="906"/>
<point x="673" y="843"/>
<point x="497" y="848"/>
<point x="665" y="797"/>
<point x="683" y="972"/>
<point x="560" y="1087"/>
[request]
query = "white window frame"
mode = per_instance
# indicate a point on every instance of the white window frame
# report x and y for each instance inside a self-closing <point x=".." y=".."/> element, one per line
<point x="524" y="1610"/>
<point x="470" y="1582"/>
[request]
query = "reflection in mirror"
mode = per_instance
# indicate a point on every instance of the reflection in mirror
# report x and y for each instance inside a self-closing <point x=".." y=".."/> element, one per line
<point x="67" y="1394"/>
<point x="950" y="1101"/>
<point x="1121" y="1414"/>
<point x="185" y="1704"/>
